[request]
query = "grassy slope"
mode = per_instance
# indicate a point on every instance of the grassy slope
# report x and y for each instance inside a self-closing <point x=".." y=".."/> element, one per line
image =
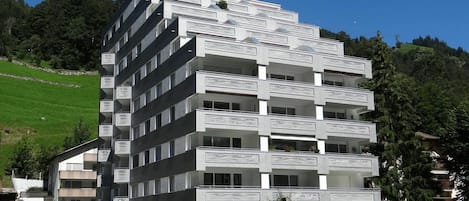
<point x="23" y="104"/>
<point x="407" y="47"/>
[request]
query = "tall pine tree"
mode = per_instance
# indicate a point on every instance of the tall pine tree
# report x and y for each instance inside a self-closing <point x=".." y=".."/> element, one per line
<point x="405" y="169"/>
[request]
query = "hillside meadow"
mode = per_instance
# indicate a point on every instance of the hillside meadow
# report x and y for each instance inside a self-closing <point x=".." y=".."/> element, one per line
<point x="43" y="106"/>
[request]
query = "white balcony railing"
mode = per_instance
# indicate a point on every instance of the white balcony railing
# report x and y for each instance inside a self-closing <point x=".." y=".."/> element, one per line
<point x="265" y="54"/>
<point x="298" y="194"/>
<point x="123" y="93"/>
<point x="107" y="82"/>
<point x="289" y="125"/>
<point x="108" y="59"/>
<point x="121" y="175"/>
<point x="106" y="106"/>
<point x="249" y="85"/>
<point x="122" y="147"/>
<point x="77" y="192"/>
<point x="122" y="119"/>
<point x="106" y="130"/>
<point x="103" y="155"/>
<point x="266" y="161"/>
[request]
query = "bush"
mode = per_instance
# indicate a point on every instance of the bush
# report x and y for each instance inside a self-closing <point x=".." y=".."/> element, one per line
<point x="222" y="4"/>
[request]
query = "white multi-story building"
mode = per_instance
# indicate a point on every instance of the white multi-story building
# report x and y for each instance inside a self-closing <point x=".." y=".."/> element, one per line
<point x="72" y="174"/>
<point x="200" y="103"/>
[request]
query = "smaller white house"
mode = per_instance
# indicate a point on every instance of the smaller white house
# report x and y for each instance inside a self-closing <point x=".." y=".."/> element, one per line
<point x="72" y="174"/>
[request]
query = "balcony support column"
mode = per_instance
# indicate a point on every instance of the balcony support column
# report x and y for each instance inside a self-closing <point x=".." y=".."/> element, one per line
<point x="262" y="72"/>
<point x="265" y="181"/>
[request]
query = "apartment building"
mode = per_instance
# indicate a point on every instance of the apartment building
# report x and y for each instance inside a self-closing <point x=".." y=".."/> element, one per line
<point x="200" y="103"/>
<point x="72" y="174"/>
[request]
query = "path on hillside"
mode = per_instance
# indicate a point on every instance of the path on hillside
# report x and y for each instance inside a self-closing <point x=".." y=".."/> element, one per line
<point x="49" y="70"/>
<point x="39" y="80"/>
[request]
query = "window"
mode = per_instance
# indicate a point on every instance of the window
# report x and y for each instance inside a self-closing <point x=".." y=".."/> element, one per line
<point x="157" y="186"/>
<point x="158" y="121"/>
<point x="135" y="161"/>
<point x="334" y="115"/>
<point x="158" y="59"/>
<point x="157" y="153"/>
<point x="172" y="148"/>
<point x="283" y="110"/>
<point x="208" y="179"/>
<point x="138" y="50"/>
<point x="172" y="184"/>
<point x="148" y="67"/>
<point x="333" y="83"/>
<point x="281" y="77"/>
<point x="221" y="105"/>
<point x="336" y="148"/>
<point x="172" y="81"/>
<point x="129" y="34"/>
<point x="129" y="59"/>
<point x="237" y="179"/>
<point x="172" y="114"/>
<point x="148" y="97"/>
<point x="137" y="77"/>
<point x="175" y="46"/>
<point x="159" y="90"/>
<point x="146" y="188"/>
<point x="222" y="179"/>
<point x="136" y="132"/>
<point x="285" y="180"/>
<point x="135" y="190"/>
<point x="147" y="127"/>
<point x="136" y="104"/>
<point x="147" y="156"/>
<point x="221" y="142"/>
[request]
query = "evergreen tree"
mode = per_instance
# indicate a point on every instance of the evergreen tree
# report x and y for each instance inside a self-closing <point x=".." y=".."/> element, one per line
<point x="405" y="169"/>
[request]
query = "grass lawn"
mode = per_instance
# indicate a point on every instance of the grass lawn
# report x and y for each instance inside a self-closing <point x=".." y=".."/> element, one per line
<point x="46" y="113"/>
<point x="407" y="47"/>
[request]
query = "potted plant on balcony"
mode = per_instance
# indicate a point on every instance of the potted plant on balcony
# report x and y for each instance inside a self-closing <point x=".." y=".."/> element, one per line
<point x="282" y="197"/>
<point x="222" y="4"/>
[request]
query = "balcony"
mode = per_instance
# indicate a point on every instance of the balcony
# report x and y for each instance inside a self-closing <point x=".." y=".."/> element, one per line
<point x="106" y="106"/>
<point x="103" y="155"/>
<point x="122" y="147"/>
<point x="121" y="199"/>
<point x="77" y="175"/>
<point x="108" y="59"/>
<point x="266" y="161"/>
<point x="106" y="130"/>
<point x="123" y="119"/>
<point x="256" y="194"/>
<point x="121" y="175"/>
<point x="289" y="125"/>
<point x="90" y="157"/>
<point x="264" y="54"/>
<point x="107" y="82"/>
<point x="249" y="85"/>
<point x="77" y="192"/>
<point x="123" y="93"/>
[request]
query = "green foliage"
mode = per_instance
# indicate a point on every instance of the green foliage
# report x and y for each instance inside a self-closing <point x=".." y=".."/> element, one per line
<point x="457" y="147"/>
<point x="22" y="160"/>
<point x="65" y="32"/>
<point x="222" y="4"/>
<point x="50" y="111"/>
<point x="81" y="134"/>
<point x="43" y="155"/>
<point x="405" y="171"/>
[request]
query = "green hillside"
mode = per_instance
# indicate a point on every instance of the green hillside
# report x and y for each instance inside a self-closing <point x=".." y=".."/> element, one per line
<point x="45" y="106"/>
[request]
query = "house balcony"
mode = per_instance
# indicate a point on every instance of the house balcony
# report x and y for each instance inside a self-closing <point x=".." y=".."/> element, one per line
<point x="242" y="32"/>
<point x="265" y="55"/>
<point x="123" y="119"/>
<point x="106" y="106"/>
<point x="211" y="157"/>
<point x="77" y="175"/>
<point x="103" y="155"/>
<point x="77" y="192"/>
<point x="106" y="131"/>
<point x="265" y="89"/>
<point x="123" y="93"/>
<point x="107" y="82"/>
<point x="122" y="147"/>
<point x="297" y="194"/>
<point x="121" y="175"/>
<point x="285" y="125"/>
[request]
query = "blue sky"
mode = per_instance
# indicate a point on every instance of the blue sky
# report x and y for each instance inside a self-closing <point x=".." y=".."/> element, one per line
<point x="447" y="20"/>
